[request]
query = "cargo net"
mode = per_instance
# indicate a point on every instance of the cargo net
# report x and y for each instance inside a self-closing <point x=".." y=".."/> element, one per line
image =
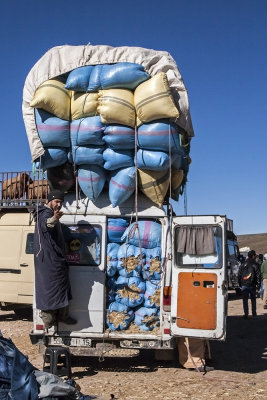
<point x="22" y="189"/>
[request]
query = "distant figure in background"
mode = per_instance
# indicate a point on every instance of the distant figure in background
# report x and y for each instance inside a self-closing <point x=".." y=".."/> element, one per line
<point x="264" y="280"/>
<point x="249" y="280"/>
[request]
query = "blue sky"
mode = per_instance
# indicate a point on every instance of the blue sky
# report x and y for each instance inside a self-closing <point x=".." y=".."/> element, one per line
<point x="220" y="47"/>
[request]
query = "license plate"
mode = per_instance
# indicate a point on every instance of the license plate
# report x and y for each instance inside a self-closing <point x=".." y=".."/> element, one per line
<point x="75" y="342"/>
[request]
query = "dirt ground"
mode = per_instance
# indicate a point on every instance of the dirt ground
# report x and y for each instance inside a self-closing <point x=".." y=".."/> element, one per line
<point x="240" y="365"/>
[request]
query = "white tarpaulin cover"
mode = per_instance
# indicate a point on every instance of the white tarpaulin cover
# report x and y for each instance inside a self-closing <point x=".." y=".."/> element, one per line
<point x="62" y="59"/>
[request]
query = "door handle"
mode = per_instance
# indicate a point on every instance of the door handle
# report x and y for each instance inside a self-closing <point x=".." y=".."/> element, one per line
<point x="24" y="265"/>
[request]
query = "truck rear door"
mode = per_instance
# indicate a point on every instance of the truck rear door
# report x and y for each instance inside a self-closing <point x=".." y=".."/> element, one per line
<point x="199" y="290"/>
<point x="85" y="240"/>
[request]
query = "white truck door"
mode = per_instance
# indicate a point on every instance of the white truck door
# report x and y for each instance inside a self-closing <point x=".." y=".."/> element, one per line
<point x="26" y="264"/>
<point x="199" y="290"/>
<point x="85" y="238"/>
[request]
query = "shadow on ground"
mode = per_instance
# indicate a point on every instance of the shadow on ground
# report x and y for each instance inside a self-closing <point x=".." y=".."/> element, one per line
<point x="245" y="347"/>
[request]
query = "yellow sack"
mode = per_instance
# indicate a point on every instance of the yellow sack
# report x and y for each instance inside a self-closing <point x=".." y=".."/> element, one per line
<point x="83" y="105"/>
<point x="117" y="106"/>
<point x="52" y="97"/>
<point x="153" y="100"/>
<point x="154" y="184"/>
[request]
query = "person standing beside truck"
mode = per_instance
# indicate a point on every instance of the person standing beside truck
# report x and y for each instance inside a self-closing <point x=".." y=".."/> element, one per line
<point x="249" y="280"/>
<point x="52" y="286"/>
<point x="264" y="280"/>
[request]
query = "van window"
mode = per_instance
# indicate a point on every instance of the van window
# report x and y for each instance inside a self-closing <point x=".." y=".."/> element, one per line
<point x="83" y="244"/>
<point x="29" y="243"/>
<point x="191" y="258"/>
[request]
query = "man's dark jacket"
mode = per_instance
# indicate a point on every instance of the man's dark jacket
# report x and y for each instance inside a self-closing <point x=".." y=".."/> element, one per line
<point x="52" y="288"/>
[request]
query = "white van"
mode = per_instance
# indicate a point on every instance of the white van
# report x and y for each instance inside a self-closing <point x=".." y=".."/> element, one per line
<point x="193" y="290"/>
<point x="16" y="259"/>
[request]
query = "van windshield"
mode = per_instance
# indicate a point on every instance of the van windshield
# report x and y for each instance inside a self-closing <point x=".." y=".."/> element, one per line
<point x="198" y="246"/>
<point x="83" y="244"/>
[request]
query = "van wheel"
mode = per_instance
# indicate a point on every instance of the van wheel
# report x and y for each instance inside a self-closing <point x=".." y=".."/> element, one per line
<point x="24" y="313"/>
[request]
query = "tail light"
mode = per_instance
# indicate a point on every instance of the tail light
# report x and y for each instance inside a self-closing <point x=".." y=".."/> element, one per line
<point x="167" y="292"/>
<point x="39" y="327"/>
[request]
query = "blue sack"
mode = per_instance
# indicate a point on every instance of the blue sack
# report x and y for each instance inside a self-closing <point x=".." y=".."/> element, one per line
<point x="121" y="185"/>
<point x="117" y="159"/>
<point x="111" y="283"/>
<point x="150" y="234"/>
<point x="116" y="228"/>
<point x="52" y="157"/>
<point x="87" y="131"/>
<point x="159" y="136"/>
<point x="91" y="179"/>
<point x="95" y="78"/>
<point x="130" y="260"/>
<point x="130" y="291"/>
<point x="123" y="75"/>
<point x="112" y="258"/>
<point x="153" y="264"/>
<point x="53" y="131"/>
<point x="152" y="160"/>
<point x="123" y="316"/>
<point x="146" y="318"/>
<point x="152" y="294"/>
<point x="78" y="79"/>
<point x="88" y="155"/>
<point x="119" y="137"/>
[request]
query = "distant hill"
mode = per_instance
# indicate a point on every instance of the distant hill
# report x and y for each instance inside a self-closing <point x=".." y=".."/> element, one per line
<point x="257" y="242"/>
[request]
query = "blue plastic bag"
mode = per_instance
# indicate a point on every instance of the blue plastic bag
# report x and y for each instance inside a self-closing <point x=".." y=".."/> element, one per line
<point x="130" y="260"/>
<point x="53" y="131"/>
<point x="119" y="316"/>
<point x="116" y="228"/>
<point x="153" y="264"/>
<point x="91" y="179"/>
<point x="78" y="79"/>
<point x="152" y="160"/>
<point x="119" y="137"/>
<point x="160" y="136"/>
<point x="95" y="78"/>
<point x="121" y="185"/>
<point x="146" y="318"/>
<point x="123" y="75"/>
<point x="52" y="157"/>
<point x="152" y="294"/>
<point x="117" y="159"/>
<point x="88" y="155"/>
<point x="130" y="291"/>
<point x="112" y="258"/>
<point x="87" y="131"/>
<point x="150" y="234"/>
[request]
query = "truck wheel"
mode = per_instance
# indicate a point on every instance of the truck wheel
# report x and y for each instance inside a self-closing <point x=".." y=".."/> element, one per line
<point x="24" y="313"/>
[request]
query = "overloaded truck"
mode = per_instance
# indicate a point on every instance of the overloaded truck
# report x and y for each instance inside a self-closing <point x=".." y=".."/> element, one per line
<point x="111" y="128"/>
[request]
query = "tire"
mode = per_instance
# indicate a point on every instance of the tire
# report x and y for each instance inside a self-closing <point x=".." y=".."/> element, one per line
<point x="24" y="313"/>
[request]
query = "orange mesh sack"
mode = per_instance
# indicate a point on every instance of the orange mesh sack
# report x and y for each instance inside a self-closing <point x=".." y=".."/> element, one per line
<point x="117" y="106"/>
<point x="154" y="184"/>
<point x="52" y="97"/>
<point x="83" y="105"/>
<point x="153" y="100"/>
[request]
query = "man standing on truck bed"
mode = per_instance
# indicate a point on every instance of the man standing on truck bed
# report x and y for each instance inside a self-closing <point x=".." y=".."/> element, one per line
<point x="52" y="286"/>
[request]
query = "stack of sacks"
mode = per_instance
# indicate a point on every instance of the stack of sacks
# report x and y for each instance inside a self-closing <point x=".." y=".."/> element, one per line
<point x="112" y="86"/>
<point x="159" y="140"/>
<point x="133" y="292"/>
<point x="89" y="118"/>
